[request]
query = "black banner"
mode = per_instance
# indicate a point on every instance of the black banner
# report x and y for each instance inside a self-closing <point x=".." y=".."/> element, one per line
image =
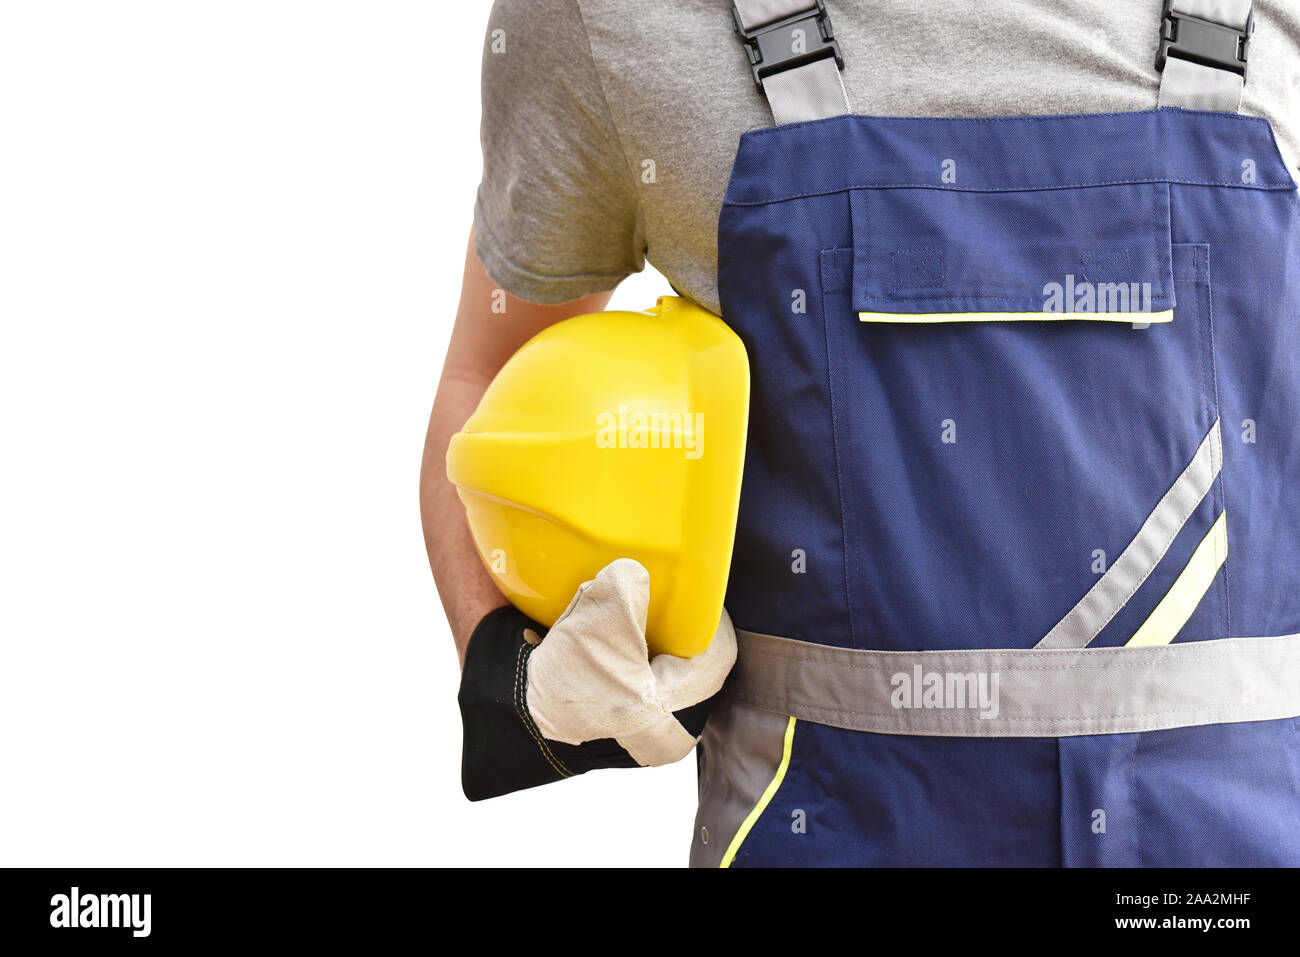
<point x="132" y="909"/>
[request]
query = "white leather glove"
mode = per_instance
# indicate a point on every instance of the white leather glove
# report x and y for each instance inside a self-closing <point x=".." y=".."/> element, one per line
<point x="592" y="678"/>
<point x="585" y="696"/>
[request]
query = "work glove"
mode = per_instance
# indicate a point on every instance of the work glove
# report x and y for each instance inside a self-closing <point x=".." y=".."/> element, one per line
<point x="585" y="696"/>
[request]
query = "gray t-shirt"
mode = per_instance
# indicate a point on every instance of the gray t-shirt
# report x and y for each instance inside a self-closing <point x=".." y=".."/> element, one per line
<point x="609" y="126"/>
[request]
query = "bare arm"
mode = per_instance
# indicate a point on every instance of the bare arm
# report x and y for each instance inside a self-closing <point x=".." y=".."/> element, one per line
<point x="481" y="342"/>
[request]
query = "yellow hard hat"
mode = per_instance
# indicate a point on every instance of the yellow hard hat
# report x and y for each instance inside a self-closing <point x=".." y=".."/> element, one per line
<point x="612" y="435"/>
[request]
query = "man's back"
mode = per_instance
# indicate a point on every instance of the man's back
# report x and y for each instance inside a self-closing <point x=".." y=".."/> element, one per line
<point x="609" y="127"/>
<point x="980" y="574"/>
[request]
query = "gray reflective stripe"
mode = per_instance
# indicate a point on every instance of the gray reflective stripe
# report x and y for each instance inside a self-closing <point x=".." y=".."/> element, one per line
<point x="740" y="752"/>
<point x="1113" y="590"/>
<point x="1016" y="693"/>
<point x="1196" y="87"/>
<point x="813" y="91"/>
<point x="756" y="13"/>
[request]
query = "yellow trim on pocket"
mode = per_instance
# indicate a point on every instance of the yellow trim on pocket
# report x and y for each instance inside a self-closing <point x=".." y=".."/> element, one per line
<point x="1145" y="318"/>
<point x="1169" y="617"/>
<point x="763" y="801"/>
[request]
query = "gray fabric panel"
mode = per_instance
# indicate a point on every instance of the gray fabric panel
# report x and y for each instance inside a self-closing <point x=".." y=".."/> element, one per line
<point x="811" y="92"/>
<point x="740" y="752"/>
<point x="1196" y="87"/>
<point x="755" y="13"/>
<point x="1032" y="692"/>
<point x="1114" y="588"/>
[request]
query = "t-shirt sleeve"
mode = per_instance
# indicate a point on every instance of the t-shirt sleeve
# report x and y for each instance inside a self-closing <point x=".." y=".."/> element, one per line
<point x="556" y="216"/>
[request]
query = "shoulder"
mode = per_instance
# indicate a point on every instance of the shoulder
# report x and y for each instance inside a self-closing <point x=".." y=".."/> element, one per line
<point x="534" y="19"/>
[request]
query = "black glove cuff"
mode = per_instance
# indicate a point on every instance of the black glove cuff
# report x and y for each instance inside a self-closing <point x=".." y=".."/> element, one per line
<point x="503" y="750"/>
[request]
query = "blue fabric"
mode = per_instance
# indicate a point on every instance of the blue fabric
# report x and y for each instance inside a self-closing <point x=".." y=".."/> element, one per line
<point x="1221" y="796"/>
<point x="864" y="525"/>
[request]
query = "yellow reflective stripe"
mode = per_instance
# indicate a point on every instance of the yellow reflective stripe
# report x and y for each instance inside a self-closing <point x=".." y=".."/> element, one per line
<point x="1181" y="600"/>
<point x="924" y="317"/>
<point x="761" y="806"/>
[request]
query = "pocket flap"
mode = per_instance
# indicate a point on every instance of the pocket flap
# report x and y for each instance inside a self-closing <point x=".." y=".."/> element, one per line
<point x="947" y="255"/>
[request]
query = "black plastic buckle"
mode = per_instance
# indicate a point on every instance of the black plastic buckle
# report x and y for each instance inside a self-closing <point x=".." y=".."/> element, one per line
<point x="1204" y="41"/>
<point x="785" y="44"/>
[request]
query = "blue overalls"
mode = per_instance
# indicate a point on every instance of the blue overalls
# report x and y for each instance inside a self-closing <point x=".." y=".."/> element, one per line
<point x="1017" y="574"/>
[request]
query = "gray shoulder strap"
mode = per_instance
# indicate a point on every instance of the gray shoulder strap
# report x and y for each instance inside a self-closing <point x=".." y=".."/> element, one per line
<point x="1203" y="50"/>
<point x="794" y="57"/>
<point x="1204" y="46"/>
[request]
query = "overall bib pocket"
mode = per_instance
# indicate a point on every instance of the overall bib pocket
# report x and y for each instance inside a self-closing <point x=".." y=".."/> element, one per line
<point x="1020" y="378"/>
<point x="932" y="255"/>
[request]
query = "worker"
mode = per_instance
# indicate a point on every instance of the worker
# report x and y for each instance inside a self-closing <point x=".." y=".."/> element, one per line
<point x="1015" y="572"/>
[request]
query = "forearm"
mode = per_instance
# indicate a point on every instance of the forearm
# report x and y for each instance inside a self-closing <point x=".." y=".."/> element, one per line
<point x="464" y="585"/>
<point x="490" y="326"/>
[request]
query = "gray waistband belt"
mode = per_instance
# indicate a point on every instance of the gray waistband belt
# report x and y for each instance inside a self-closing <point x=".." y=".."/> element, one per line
<point x="1014" y="693"/>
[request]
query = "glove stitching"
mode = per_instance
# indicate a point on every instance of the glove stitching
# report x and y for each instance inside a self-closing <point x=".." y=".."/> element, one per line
<point x="638" y="720"/>
<point x="689" y="695"/>
<point x="521" y="708"/>
<point x="685" y="692"/>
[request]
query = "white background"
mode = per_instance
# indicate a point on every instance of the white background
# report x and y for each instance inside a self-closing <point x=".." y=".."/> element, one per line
<point x="231" y="240"/>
